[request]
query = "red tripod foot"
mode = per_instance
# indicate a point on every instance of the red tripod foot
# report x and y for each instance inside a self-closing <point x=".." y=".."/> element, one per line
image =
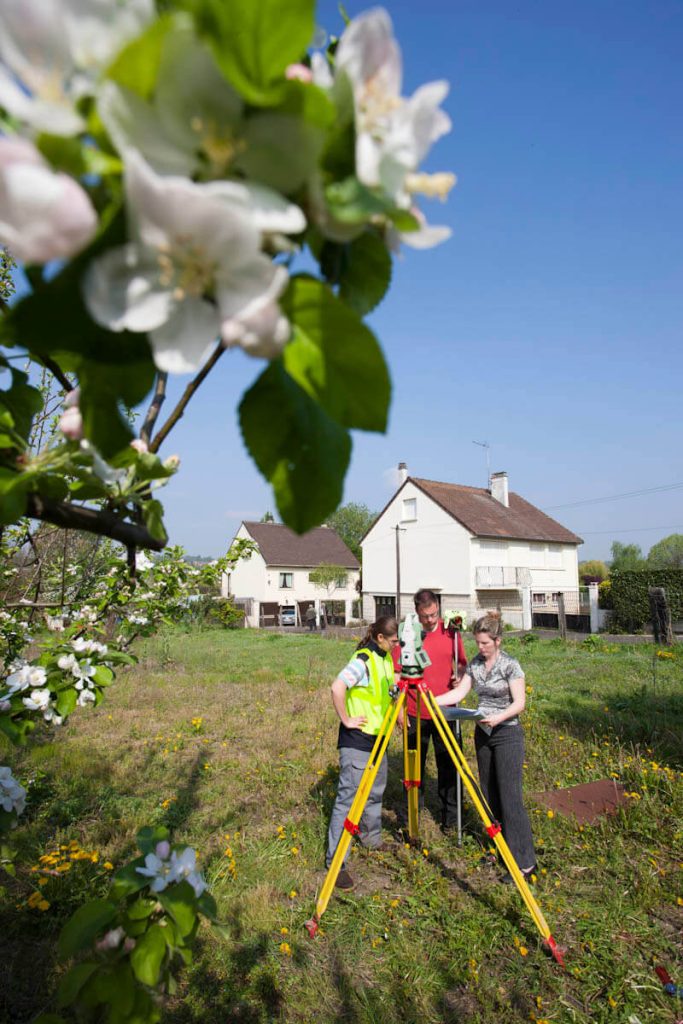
<point x="311" y="927"/>
<point x="557" y="951"/>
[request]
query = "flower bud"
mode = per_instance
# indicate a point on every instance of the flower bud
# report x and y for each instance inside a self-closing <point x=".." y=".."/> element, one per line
<point x="300" y="72"/>
<point x="163" y="849"/>
<point x="139" y="445"/>
<point x="71" y="423"/>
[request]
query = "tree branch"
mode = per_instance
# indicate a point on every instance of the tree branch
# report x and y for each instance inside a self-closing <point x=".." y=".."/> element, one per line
<point x="186" y="396"/>
<point x="154" y="407"/>
<point x="56" y="371"/>
<point x="78" y="517"/>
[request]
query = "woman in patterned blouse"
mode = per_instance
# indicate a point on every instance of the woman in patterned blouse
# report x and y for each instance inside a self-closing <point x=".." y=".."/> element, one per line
<point x="498" y="681"/>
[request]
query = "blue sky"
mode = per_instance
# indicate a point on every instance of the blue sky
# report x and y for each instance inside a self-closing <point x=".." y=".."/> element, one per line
<point x="550" y="324"/>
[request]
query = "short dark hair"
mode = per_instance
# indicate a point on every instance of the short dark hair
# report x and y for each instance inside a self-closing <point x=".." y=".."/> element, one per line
<point x="424" y="597"/>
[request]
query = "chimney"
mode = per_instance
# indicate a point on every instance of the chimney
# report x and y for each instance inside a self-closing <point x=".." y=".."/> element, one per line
<point x="499" y="488"/>
<point x="402" y="473"/>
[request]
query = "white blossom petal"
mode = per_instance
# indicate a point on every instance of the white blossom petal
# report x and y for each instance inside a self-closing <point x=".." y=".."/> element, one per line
<point x="183" y="343"/>
<point x="121" y="291"/>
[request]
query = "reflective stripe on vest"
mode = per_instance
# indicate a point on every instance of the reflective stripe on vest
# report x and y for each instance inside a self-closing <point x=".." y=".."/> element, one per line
<point x="372" y="700"/>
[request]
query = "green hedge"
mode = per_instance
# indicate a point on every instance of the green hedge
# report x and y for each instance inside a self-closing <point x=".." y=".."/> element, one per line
<point x="629" y="592"/>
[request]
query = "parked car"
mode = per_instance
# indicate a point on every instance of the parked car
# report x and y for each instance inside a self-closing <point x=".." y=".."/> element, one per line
<point x="288" y="615"/>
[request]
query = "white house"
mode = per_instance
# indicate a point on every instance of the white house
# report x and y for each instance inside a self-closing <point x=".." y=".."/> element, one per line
<point x="274" y="584"/>
<point x="476" y="548"/>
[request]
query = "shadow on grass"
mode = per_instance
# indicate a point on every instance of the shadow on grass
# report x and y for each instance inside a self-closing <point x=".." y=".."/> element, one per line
<point x="642" y="718"/>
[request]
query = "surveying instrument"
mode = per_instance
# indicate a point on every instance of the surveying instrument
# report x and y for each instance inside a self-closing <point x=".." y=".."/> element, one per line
<point x="414" y="659"/>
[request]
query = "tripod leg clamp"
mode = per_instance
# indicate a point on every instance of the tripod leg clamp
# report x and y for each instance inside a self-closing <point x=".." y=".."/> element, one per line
<point x="493" y="829"/>
<point x="411" y="783"/>
<point x="350" y="827"/>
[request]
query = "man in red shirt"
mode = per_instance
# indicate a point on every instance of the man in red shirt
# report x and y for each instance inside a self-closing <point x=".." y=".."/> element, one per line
<point x="440" y="676"/>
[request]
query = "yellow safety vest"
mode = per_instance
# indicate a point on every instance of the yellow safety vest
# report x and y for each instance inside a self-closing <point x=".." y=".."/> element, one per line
<point x="372" y="700"/>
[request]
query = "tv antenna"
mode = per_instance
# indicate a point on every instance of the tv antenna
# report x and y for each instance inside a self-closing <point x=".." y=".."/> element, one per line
<point x="487" y="446"/>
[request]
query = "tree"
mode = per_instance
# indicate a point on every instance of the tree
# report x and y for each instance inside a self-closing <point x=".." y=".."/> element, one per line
<point x="667" y="553"/>
<point x="626" y="557"/>
<point x="351" y="522"/>
<point x="593" y="568"/>
<point x="267" y="517"/>
<point x="329" y="576"/>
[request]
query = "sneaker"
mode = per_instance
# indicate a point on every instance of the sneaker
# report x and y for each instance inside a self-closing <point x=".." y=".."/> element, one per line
<point x="344" y="880"/>
<point x="507" y="878"/>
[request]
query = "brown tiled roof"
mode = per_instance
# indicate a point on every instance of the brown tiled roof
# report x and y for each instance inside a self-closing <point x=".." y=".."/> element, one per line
<point x="484" y="516"/>
<point x="281" y="546"/>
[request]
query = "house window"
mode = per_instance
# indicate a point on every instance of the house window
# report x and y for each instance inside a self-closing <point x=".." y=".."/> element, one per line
<point x="409" y="509"/>
<point x="286" y="580"/>
<point x="538" y="598"/>
<point x="554" y="556"/>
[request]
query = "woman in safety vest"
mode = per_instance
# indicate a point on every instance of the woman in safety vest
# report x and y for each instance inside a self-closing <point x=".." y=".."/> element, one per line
<point x="360" y="695"/>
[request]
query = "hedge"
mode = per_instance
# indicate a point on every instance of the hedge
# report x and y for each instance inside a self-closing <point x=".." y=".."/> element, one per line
<point x="629" y="593"/>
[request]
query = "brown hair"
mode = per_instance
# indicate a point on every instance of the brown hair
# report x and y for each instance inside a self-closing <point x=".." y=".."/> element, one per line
<point x="491" y="623"/>
<point x="386" y="625"/>
<point x="425" y="597"/>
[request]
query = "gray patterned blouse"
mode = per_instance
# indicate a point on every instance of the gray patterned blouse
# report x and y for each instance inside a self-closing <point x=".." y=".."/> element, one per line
<point x="493" y="688"/>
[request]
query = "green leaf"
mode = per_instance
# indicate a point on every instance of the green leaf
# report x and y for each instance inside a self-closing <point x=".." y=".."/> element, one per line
<point x="301" y="450"/>
<point x="103" y="675"/>
<point x="73" y="981"/>
<point x="350" y="202"/>
<point x="254" y="42"/>
<point x="22" y="401"/>
<point x="334" y="357"/>
<point x="141" y="909"/>
<point x="153" y="514"/>
<point x="148" y="837"/>
<point x="128" y="880"/>
<point x="365" y="272"/>
<point x="103" y="387"/>
<point x="16" y="731"/>
<point x="114" y="988"/>
<point x="147" y="956"/>
<point x="206" y="904"/>
<point x="137" y="65"/>
<point x="66" y="701"/>
<point x="13" y="490"/>
<point x="181" y="903"/>
<point x="84" y="926"/>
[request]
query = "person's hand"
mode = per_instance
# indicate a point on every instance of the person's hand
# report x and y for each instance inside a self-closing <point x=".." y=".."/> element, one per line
<point x="492" y="721"/>
<point x="357" y="722"/>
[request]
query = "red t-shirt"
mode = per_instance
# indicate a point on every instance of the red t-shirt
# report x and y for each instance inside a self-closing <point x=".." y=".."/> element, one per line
<point x="440" y="646"/>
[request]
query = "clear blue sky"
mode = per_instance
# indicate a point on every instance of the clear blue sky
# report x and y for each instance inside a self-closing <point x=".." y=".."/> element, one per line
<point x="550" y="324"/>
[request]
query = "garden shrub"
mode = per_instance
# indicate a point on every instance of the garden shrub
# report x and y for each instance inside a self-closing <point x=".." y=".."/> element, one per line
<point x="630" y="600"/>
<point x="227" y="613"/>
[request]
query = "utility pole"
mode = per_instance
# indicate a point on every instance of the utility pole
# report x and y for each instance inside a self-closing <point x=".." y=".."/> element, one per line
<point x="398" y="571"/>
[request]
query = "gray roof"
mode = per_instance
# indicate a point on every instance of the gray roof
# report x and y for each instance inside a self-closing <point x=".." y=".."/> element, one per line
<point x="281" y="546"/>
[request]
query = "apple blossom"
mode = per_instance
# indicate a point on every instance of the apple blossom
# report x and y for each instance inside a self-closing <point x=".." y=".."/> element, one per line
<point x="43" y="215"/>
<point x="71" y="423"/>
<point x="25" y="676"/>
<point x="52" y="51"/>
<point x="393" y="135"/>
<point x="12" y="795"/>
<point x="194" y="266"/>
<point x="40" y="700"/>
<point x="184" y="868"/>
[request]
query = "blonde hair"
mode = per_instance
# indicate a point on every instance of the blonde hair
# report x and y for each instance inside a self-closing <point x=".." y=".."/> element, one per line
<point x="491" y="623"/>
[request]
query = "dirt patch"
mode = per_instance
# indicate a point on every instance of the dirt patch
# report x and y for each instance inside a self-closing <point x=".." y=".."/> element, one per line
<point x="586" y="802"/>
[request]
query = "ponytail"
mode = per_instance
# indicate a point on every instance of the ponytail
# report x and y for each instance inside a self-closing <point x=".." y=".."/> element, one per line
<point x="386" y="625"/>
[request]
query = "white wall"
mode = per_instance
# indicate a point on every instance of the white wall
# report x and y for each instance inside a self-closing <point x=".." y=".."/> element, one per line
<point x="552" y="566"/>
<point x="434" y="551"/>
<point x="248" y="578"/>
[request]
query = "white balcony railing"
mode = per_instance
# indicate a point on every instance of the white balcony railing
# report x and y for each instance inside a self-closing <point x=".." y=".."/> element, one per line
<point x="501" y="577"/>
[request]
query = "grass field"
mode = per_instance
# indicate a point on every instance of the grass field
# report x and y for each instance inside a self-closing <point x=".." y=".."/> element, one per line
<point x="229" y="738"/>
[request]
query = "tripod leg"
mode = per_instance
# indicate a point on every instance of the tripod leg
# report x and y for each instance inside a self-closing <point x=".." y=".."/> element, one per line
<point x="356" y="811"/>
<point x="492" y="828"/>
<point x="412" y="761"/>
<point x="458" y="785"/>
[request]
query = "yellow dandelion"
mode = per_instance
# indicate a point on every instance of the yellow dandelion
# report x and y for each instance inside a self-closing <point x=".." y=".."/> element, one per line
<point x="43" y="881"/>
<point x="294" y="851"/>
<point x="523" y="951"/>
<point x="611" y="1001"/>
<point x="44" y="905"/>
<point x="108" y="866"/>
<point x="285" y="949"/>
<point x="394" y="903"/>
<point x="551" y="814"/>
<point x="284" y="931"/>
<point x="425" y="852"/>
<point x="293" y="894"/>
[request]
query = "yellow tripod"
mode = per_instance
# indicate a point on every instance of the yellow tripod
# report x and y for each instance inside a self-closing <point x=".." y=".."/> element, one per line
<point x="411" y="763"/>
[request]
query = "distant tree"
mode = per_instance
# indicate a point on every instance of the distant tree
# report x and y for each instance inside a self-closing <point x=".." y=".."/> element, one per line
<point x="626" y="556"/>
<point x="667" y="553"/>
<point x="328" y="576"/>
<point x="351" y="522"/>
<point x="267" y="517"/>
<point x="594" y="568"/>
